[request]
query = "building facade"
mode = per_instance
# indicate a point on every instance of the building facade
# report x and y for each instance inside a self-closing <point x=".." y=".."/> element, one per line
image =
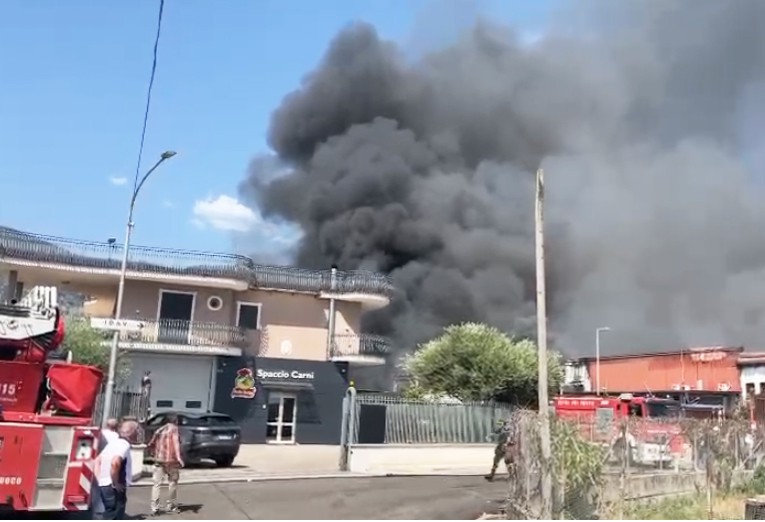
<point x="752" y="374"/>
<point x="704" y="369"/>
<point x="220" y="332"/>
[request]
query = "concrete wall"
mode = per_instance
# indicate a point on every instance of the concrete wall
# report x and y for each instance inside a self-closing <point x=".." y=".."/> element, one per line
<point x="425" y="459"/>
<point x="658" y="485"/>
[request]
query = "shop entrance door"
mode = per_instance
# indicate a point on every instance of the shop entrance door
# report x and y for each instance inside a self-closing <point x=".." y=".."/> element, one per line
<point x="282" y="412"/>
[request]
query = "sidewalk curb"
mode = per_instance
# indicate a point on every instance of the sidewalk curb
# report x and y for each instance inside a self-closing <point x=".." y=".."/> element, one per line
<point x="325" y="476"/>
<point x="262" y="478"/>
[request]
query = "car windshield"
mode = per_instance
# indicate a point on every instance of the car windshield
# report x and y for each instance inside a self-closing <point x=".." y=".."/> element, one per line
<point x="208" y="420"/>
<point x="663" y="409"/>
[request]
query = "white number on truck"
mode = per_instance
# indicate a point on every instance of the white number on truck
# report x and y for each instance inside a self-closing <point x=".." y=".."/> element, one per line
<point x="7" y="389"/>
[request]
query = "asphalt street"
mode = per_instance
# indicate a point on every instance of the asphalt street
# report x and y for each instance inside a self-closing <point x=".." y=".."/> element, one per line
<point x="395" y="498"/>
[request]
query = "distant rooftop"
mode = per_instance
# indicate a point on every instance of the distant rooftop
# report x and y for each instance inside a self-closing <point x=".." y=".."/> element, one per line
<point x="662" y="353"/>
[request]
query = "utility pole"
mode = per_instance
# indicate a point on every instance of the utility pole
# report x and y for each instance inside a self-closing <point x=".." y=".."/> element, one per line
<point x="597" y="355"/>
<point x="109" y="395"/>
<point x="544" y="401"/>
<point x="331" y="315"/>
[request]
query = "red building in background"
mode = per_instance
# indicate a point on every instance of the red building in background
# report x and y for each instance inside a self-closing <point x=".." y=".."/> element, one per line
<point x="711" y="369"/>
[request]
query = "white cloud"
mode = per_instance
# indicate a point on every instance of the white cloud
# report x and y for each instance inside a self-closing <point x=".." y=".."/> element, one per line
<point x="224" y="213"/>
<point x="118" y="180"/>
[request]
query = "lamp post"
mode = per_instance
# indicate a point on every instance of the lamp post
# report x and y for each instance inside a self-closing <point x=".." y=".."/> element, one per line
<point x="597" y="354"/>
<point x="121" y="289"/>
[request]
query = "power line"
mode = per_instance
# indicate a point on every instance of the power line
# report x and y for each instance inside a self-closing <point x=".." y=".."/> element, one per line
<point x="148" y="94"/>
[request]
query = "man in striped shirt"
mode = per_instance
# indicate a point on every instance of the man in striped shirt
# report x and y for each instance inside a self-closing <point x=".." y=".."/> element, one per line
<point x="166" y="448"/>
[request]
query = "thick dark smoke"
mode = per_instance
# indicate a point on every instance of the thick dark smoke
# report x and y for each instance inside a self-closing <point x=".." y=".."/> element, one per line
<point x="648" y="120"/>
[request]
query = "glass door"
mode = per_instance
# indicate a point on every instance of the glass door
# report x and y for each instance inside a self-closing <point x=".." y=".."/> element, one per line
<point x="282" y="413"/>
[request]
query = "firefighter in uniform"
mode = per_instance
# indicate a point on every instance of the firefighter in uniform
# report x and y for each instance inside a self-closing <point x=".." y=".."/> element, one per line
<point x="505" y="440"/>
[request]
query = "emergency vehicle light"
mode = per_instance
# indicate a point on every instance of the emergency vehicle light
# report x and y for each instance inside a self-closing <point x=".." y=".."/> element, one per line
<point x="625" y="397"/>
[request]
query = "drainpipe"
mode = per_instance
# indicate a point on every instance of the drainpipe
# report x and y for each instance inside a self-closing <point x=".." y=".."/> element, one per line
<point x="331" y="325"/>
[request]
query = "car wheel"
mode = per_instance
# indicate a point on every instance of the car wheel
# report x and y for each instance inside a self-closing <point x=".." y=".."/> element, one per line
<point x="224" y="462"/>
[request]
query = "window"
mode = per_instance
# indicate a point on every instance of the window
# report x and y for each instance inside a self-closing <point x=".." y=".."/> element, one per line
<point x="156" y="420"/>
<point x="208" y="420"/>
<point x="249" y="316"/>
<point x="214" y="303"/>
<point x="192" y="405"/>
<point x="164" y="404"/>
<point x="663" y="409"/>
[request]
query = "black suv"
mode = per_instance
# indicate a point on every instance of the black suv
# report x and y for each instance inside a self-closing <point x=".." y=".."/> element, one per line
<point x="211" y="436"/>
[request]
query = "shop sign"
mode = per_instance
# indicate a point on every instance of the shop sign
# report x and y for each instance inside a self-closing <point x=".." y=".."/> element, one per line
<point x="284" y="374"/>
<point x="244" y="385"/>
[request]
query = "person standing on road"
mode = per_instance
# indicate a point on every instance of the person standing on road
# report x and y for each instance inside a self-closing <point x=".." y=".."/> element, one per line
<point x="165" y="446"/>
<point x="112" y="472"/>
<point x="108" y="434"/>
<point x="505" y="438"/>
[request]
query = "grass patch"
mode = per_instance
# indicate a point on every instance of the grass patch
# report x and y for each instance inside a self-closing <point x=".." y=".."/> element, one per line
<point x="689" y="507"/>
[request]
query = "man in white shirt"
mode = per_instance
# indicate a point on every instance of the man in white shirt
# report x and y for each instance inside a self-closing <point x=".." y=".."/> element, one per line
<point x="113" y="472"/>
<point x="110" y="433"/>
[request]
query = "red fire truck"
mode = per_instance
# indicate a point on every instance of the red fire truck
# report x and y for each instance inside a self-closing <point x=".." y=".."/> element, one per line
<point x="47" y="439"/>
<point x="651" y="434"/>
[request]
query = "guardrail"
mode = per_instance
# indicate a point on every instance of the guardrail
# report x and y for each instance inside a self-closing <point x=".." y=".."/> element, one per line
<point x="108" y="256"/>
<point x="360" y="344"/>
<point x="175" y="331"/>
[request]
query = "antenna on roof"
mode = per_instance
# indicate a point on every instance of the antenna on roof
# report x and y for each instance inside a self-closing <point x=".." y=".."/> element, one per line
<point x="650" y="393"/>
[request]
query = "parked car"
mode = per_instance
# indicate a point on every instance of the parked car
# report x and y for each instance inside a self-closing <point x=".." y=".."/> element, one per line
<point x="213" y="436"/>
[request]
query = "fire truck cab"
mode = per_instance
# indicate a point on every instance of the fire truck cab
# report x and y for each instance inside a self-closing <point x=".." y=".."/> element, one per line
<point x="48" y="443"/>
<point x="643" y="424"/>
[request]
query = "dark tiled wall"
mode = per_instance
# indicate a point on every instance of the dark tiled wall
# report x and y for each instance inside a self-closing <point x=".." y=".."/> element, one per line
<point x="319" y="410"/>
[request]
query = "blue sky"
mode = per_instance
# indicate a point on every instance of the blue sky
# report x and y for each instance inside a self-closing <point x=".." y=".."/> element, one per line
<point x="73" y="82"/>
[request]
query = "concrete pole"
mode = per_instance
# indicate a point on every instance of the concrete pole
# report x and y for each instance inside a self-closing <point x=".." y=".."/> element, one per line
<point x="597" y="356"/>
<point x="544" y="401"/>
<point x="332" y="313"/>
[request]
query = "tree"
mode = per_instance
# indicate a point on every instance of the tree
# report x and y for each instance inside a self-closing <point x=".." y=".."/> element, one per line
<point x="88" y="346"/>
<point x="478" y="362"/>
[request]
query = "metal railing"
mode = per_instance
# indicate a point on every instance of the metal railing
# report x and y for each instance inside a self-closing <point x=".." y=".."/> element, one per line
<point x="423" y="422"/>
<point x="176" y="331"/>
<point x="126" y="403"/>
<point x="360" y="344"/>
<point x="107" y="256"/>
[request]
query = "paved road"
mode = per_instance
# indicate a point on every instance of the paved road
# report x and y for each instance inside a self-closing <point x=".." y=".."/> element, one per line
<point x="430" y="498"/>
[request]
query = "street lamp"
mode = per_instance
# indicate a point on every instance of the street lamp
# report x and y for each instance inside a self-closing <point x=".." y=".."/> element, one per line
<point x="121" y="289"/>
<point x="597" y="354"/>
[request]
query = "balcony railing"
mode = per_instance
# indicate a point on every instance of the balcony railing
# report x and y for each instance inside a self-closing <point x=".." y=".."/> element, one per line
<point x="86" y="254"/>
<point x="177" y="332"/>
<point x="360" y="344"/>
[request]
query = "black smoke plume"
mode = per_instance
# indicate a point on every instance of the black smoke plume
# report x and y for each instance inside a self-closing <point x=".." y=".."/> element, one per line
<point x="648" y="119"/>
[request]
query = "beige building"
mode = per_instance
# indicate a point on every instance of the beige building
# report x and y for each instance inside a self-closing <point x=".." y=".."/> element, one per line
<point x="198" y="309"/>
